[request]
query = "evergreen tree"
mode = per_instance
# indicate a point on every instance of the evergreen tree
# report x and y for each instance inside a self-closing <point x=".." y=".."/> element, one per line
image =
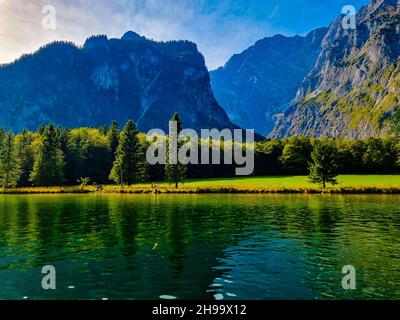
<point x="113" y="137"/>
<point x="41" y="129"/>
<point x="9" y="165"/>
<point x="103" y="129"/>
<point x="323" y="168"/>
<point x="175" y="173"/>
<point x="63" y="136"/>
<point x="130" y="164"/>
<point x="48" y="168"/>
<point x="25" y="156"/>
<point x="2" y="134"/>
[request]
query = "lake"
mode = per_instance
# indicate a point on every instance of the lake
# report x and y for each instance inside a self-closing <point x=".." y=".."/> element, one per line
<point x="200" y="246"/>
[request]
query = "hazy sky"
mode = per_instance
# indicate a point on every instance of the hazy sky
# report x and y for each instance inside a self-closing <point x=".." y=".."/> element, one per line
<point x="220" y="28"/>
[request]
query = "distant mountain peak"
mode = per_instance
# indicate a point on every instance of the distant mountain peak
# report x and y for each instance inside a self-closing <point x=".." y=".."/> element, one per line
<point x="259" y="82"/>
<point x="96" y="40"/>
<point x="354" y="86"/>
<point x="131" y="36"/>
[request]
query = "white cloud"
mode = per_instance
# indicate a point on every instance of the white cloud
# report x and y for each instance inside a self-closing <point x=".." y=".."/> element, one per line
<point x="218" y="33"/>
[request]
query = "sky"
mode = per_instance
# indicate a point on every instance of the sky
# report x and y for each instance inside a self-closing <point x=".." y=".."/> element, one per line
<point x="220" y="28"/>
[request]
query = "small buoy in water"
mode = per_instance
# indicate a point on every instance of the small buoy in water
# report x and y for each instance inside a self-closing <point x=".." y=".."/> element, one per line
<point x="155" y="246"/>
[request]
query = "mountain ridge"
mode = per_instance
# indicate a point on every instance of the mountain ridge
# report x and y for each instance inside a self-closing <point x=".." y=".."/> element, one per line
<point x="110" y="79"/>
<point x="352" y="91"/>
<point x="251" y="86"/>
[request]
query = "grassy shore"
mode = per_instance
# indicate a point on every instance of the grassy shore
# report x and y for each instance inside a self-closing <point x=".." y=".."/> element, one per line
<point x="388" y="184"/>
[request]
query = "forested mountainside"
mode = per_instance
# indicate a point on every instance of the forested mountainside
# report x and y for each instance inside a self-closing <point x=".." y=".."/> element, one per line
<point x="109" y="79"/>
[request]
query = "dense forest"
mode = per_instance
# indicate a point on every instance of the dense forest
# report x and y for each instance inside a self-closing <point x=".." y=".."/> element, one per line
<point x="59" y="156"/>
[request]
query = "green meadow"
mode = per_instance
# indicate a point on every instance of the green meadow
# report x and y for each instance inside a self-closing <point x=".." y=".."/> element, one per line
<point x="298" y="181"/>
<point x="270" y="184"/>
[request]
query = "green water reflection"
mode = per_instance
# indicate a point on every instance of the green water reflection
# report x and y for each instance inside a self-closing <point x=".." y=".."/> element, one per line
<point x="199" y="246"/>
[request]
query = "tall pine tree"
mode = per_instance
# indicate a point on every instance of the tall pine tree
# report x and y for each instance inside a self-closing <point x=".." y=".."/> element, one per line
<point x="9" y="165"/>
<point x="2" y="134"/>
<point x="175" y="173"/>
<point x="324" y="167"/>
<point x="48" y="168"/>
<point x="25" y="156"/>
<point x="113" y="137"/>
<point x="130" y="164"/>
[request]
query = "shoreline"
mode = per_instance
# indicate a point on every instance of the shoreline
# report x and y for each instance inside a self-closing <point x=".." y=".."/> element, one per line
<point x="203" y="190"/>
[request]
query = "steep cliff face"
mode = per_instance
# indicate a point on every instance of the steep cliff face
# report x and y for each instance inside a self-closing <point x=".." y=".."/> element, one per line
<point x="110" y="79"/>
<point x="354" y="88"/>
<point x="258" y="83"/>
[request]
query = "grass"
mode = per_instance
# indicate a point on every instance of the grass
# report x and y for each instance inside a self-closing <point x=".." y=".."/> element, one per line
<point x="29" y="190"/>
<point x="282" y="184"/>
<point x="299" y="181"/>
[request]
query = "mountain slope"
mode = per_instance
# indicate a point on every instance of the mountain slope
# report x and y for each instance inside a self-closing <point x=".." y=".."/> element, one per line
<point x="262" y="80"/>
<point x="110" y="79"/>
<point x="354" y="88"/>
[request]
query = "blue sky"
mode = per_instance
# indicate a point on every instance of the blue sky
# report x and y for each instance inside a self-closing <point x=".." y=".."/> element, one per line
<point x="220" y="28"/>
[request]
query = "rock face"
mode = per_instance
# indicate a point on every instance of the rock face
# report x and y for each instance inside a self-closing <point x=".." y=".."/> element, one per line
<point x="354" y="88"/>
<point x="258" y="83"/>
<point x="110" y="79"/>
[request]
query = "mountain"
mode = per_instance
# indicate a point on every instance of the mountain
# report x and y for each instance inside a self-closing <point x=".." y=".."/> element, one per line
<point x="261" y="81"/>
<point x="110" y="79"/>
<point x="354" y="88"/>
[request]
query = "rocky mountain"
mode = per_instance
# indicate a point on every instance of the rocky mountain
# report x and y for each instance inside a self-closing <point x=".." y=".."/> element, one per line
<point x="354" y="88"/>
<point x="261" y="81"/>
<point x="110" y="79"/>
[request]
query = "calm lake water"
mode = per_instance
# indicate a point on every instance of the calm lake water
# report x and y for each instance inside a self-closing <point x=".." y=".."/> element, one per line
<point x="199" y="246"/>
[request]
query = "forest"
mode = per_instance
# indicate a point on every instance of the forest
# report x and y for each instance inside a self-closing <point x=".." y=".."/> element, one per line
<point x="57" y="156"/>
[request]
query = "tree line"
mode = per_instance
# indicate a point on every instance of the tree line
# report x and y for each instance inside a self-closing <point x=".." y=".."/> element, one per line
<point x="55" y="156"/>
